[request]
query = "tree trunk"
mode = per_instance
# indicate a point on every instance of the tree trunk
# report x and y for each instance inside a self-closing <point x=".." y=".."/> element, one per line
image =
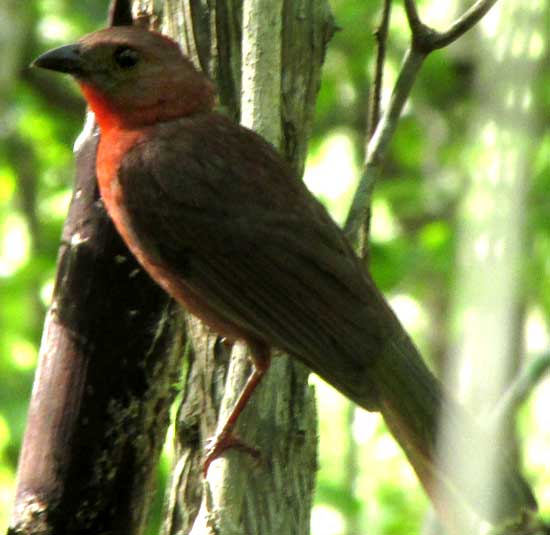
<point x="489" y="293"/>
<point x="265" y="57"/>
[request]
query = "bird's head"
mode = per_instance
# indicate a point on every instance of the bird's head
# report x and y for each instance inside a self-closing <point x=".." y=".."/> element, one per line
<point x="132" y="77"/>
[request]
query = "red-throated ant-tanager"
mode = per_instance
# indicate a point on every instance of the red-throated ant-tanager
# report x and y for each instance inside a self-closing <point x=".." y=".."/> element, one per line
<point x="217" y="218"/>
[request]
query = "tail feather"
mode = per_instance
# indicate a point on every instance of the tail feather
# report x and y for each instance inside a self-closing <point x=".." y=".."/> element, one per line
<point x="411" y="400"/>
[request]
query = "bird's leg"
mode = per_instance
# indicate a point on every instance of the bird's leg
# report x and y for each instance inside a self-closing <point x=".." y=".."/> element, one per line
<point x="224" y="439"/>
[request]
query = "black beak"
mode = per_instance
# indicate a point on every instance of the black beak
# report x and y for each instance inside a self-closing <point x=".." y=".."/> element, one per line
<point x="63" y="59"/>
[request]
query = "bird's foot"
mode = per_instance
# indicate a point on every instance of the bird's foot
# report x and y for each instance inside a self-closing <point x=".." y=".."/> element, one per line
<point x="222" y="442"/>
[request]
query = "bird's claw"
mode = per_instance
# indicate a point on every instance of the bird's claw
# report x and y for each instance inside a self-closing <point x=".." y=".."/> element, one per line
<point x="217" y="444"/>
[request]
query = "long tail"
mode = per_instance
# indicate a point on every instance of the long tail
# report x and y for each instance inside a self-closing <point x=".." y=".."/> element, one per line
<point x="411" y="400"/>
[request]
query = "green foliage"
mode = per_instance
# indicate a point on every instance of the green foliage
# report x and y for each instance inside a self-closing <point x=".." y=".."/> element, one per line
<point x="35" y="181"/>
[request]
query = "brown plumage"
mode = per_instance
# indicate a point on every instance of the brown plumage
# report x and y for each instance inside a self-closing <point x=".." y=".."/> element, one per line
<point x="215" y="215"/>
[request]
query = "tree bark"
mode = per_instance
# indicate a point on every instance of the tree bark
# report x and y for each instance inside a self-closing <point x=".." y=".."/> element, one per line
<point x="109" y="357"/>
<point x="272" y="89"/>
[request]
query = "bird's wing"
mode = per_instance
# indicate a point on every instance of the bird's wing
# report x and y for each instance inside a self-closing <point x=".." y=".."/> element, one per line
<point x="216" y="204"/>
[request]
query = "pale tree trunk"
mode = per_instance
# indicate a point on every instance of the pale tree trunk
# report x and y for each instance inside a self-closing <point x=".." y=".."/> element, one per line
<point x="265" y="57"/>
<point x="488" y="301"/>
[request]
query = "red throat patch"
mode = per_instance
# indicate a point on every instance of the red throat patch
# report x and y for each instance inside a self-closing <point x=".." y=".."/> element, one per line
<point x="100" y="106"/>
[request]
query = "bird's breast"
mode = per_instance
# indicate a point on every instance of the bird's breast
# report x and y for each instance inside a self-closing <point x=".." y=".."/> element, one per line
<point x="113" y="147"/>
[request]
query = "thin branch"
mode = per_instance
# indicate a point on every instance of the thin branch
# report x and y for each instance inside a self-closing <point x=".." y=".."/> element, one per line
<point x="464" y="23"/>
<point x="380" y="141"/>
<point x="519" y="390"/>
<point x="381" y="34"/>
<point x="120" y="13"/>
<point x="412" y="16"/>
<point x="427" y="39"/>
<point x="54" y="94"/>
<point x="424" y="40"/>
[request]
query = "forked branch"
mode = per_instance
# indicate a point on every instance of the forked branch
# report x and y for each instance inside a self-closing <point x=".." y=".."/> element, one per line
<point x="424" y="40"/>
<point x="427" y="39"/>
<point x="519" y="390"/>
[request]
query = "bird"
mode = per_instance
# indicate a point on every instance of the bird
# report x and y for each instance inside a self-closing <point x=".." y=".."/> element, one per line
<point x="220" y="221"/>
<point x="215" y="215"/>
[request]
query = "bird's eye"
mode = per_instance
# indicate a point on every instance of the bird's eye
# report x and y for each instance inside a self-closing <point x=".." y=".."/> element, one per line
<point x="126" y="57"/>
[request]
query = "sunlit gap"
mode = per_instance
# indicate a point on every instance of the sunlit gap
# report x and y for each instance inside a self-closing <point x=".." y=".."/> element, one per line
<point x="14" y="244"/>
<point x="330" y="172"/>
<point x="487" y="292"/>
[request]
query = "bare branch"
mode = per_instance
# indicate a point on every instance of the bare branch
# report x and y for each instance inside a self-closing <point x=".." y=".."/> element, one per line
<point x="381" y="34"/>
<point x="380" y="141"/>
<point x="519" y="390"/>
<point x="426" y="39"/>
<point x="423" y="41"/>
<point x="412" y="16"/>
<point x="120" y="13"/>
<point x="464" y="23"/>
<point x="55" y="95"/>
